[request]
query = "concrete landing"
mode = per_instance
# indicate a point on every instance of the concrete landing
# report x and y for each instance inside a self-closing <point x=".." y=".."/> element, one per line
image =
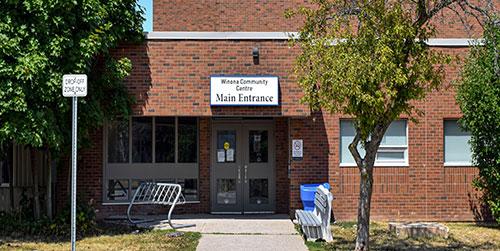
<point x="236" y="232"/>
<point x="231" y="224"/>
<point x="247" y="232"/>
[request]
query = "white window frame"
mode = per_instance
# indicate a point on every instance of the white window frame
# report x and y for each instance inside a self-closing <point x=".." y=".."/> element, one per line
<point x="384" y="148"/>
<point x="453" y="163"/>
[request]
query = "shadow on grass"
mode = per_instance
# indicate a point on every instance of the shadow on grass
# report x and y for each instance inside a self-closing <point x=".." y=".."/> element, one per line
<point x="111" y="237"/>
<point x="344" y="236"/>
<point x="102" y="229"/>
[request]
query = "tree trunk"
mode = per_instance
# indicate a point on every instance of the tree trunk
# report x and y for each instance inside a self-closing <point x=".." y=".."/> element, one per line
<point x="49" y="184"/>
<point x="365" y="197"/>
<point x="34" y="176"/>
<point x="365" y="166"/>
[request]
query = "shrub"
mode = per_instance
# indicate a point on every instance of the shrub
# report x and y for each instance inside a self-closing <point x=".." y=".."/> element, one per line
<point x="479" y="98"/>
<point x="22" y="224"/>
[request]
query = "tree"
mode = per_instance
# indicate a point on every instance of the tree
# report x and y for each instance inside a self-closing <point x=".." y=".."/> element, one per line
<point x="368" y="59"/>
<point x="42" y="40"/>
<point x="479" y="98"/>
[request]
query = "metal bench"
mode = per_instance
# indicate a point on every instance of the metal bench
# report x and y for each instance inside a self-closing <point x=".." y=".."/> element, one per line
<point x="316" y="224"/>
<point x="152" y="193"/>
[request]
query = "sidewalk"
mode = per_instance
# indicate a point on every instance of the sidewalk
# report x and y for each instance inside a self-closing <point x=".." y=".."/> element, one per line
<point x="242" y="232"/>
<point x="254" y="232"/>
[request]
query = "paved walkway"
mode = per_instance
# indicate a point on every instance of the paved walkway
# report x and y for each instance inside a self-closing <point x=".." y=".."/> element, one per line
<point x="242" y="232"/>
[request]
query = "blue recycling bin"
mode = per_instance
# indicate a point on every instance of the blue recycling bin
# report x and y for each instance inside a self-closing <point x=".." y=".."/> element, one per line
<point x="307" y="194"/>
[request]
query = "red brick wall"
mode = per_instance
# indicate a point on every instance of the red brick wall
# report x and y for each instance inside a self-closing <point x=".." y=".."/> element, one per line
<point x="173" y="77"/>
<point x="282" y="180"/>
<point x="256" y="15"/>
<point x="228" y="15"/>
<point x="314" y="167"/>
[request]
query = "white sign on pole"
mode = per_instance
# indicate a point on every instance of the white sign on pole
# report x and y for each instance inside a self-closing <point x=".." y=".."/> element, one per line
<point x="297" y="149"/>
<point x="75" y="85"/>
<point x="235" y="90"/>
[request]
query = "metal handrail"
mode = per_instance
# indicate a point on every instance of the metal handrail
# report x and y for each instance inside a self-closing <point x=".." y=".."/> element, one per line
<point x="166" y="194"/>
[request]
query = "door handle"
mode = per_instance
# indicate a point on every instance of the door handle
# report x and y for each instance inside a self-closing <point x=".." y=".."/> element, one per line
<point x="239" y="174"/>
<point x="246" y="171"/>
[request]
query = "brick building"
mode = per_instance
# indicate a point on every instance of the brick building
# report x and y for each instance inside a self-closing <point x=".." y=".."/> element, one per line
<point x="236" y="157"/>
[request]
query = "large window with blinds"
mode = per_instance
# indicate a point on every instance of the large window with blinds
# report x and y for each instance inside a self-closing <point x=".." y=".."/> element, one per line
<point x="160" y="149"/>
<point x="393" y="150"/>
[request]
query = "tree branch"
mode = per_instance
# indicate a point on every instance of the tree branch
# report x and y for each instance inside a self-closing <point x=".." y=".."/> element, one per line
<point x="439" y="6"/>
<point x="467" y="26"/>
<point x="424" y="14"/>
<point x="353" y="148"/>
<point x="484" y="11"/>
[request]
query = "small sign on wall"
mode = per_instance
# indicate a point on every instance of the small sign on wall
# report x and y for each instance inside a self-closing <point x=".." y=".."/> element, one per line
<point x="297" y="149"/>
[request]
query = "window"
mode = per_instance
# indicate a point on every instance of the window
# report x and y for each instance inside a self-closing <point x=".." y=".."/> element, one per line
<point x="257" y="145"/>
<point x="118" y="142"/>
<point x="5" y="163"/>
<point x="187" y="138"/>
<point x="226" y="138"/>
<point x="118" y="189"/>
<point x="457" y="151"/>
<point x="393" y="150"/>
<point x="165" y="140"/>
<point x="142" y="138"/>
<point x="394" y="145"/>
<point x="157" y="149"/>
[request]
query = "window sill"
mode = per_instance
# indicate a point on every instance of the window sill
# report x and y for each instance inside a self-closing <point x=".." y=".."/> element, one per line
<point x="398" y="164"/>
<point x="4" y="185"/>
<point x="458" y="164"/>
<point x="139" y="203"/>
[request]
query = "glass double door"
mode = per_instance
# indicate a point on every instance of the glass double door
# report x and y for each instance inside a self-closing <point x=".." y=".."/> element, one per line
<point x="243" y="167"/>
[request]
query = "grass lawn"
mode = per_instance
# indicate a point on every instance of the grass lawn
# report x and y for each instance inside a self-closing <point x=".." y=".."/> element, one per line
<point x="462" y="236"/>
<point x="147" y="240"/>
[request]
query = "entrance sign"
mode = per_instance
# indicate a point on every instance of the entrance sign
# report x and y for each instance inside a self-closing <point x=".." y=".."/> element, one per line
<point x="241" y="90"/>
<point x="297" y="149"/>
<point x="74" y="85"/>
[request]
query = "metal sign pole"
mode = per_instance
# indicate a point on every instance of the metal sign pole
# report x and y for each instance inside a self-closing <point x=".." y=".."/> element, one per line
<point x="74" y="85"/>
<point x="73" y="173"/>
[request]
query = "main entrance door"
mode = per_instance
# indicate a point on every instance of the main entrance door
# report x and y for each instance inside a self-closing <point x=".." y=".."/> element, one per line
<point x="243" y="167"/>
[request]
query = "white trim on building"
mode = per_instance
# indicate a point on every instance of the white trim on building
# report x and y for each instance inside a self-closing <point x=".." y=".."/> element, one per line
<point x="209" y="35"/>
